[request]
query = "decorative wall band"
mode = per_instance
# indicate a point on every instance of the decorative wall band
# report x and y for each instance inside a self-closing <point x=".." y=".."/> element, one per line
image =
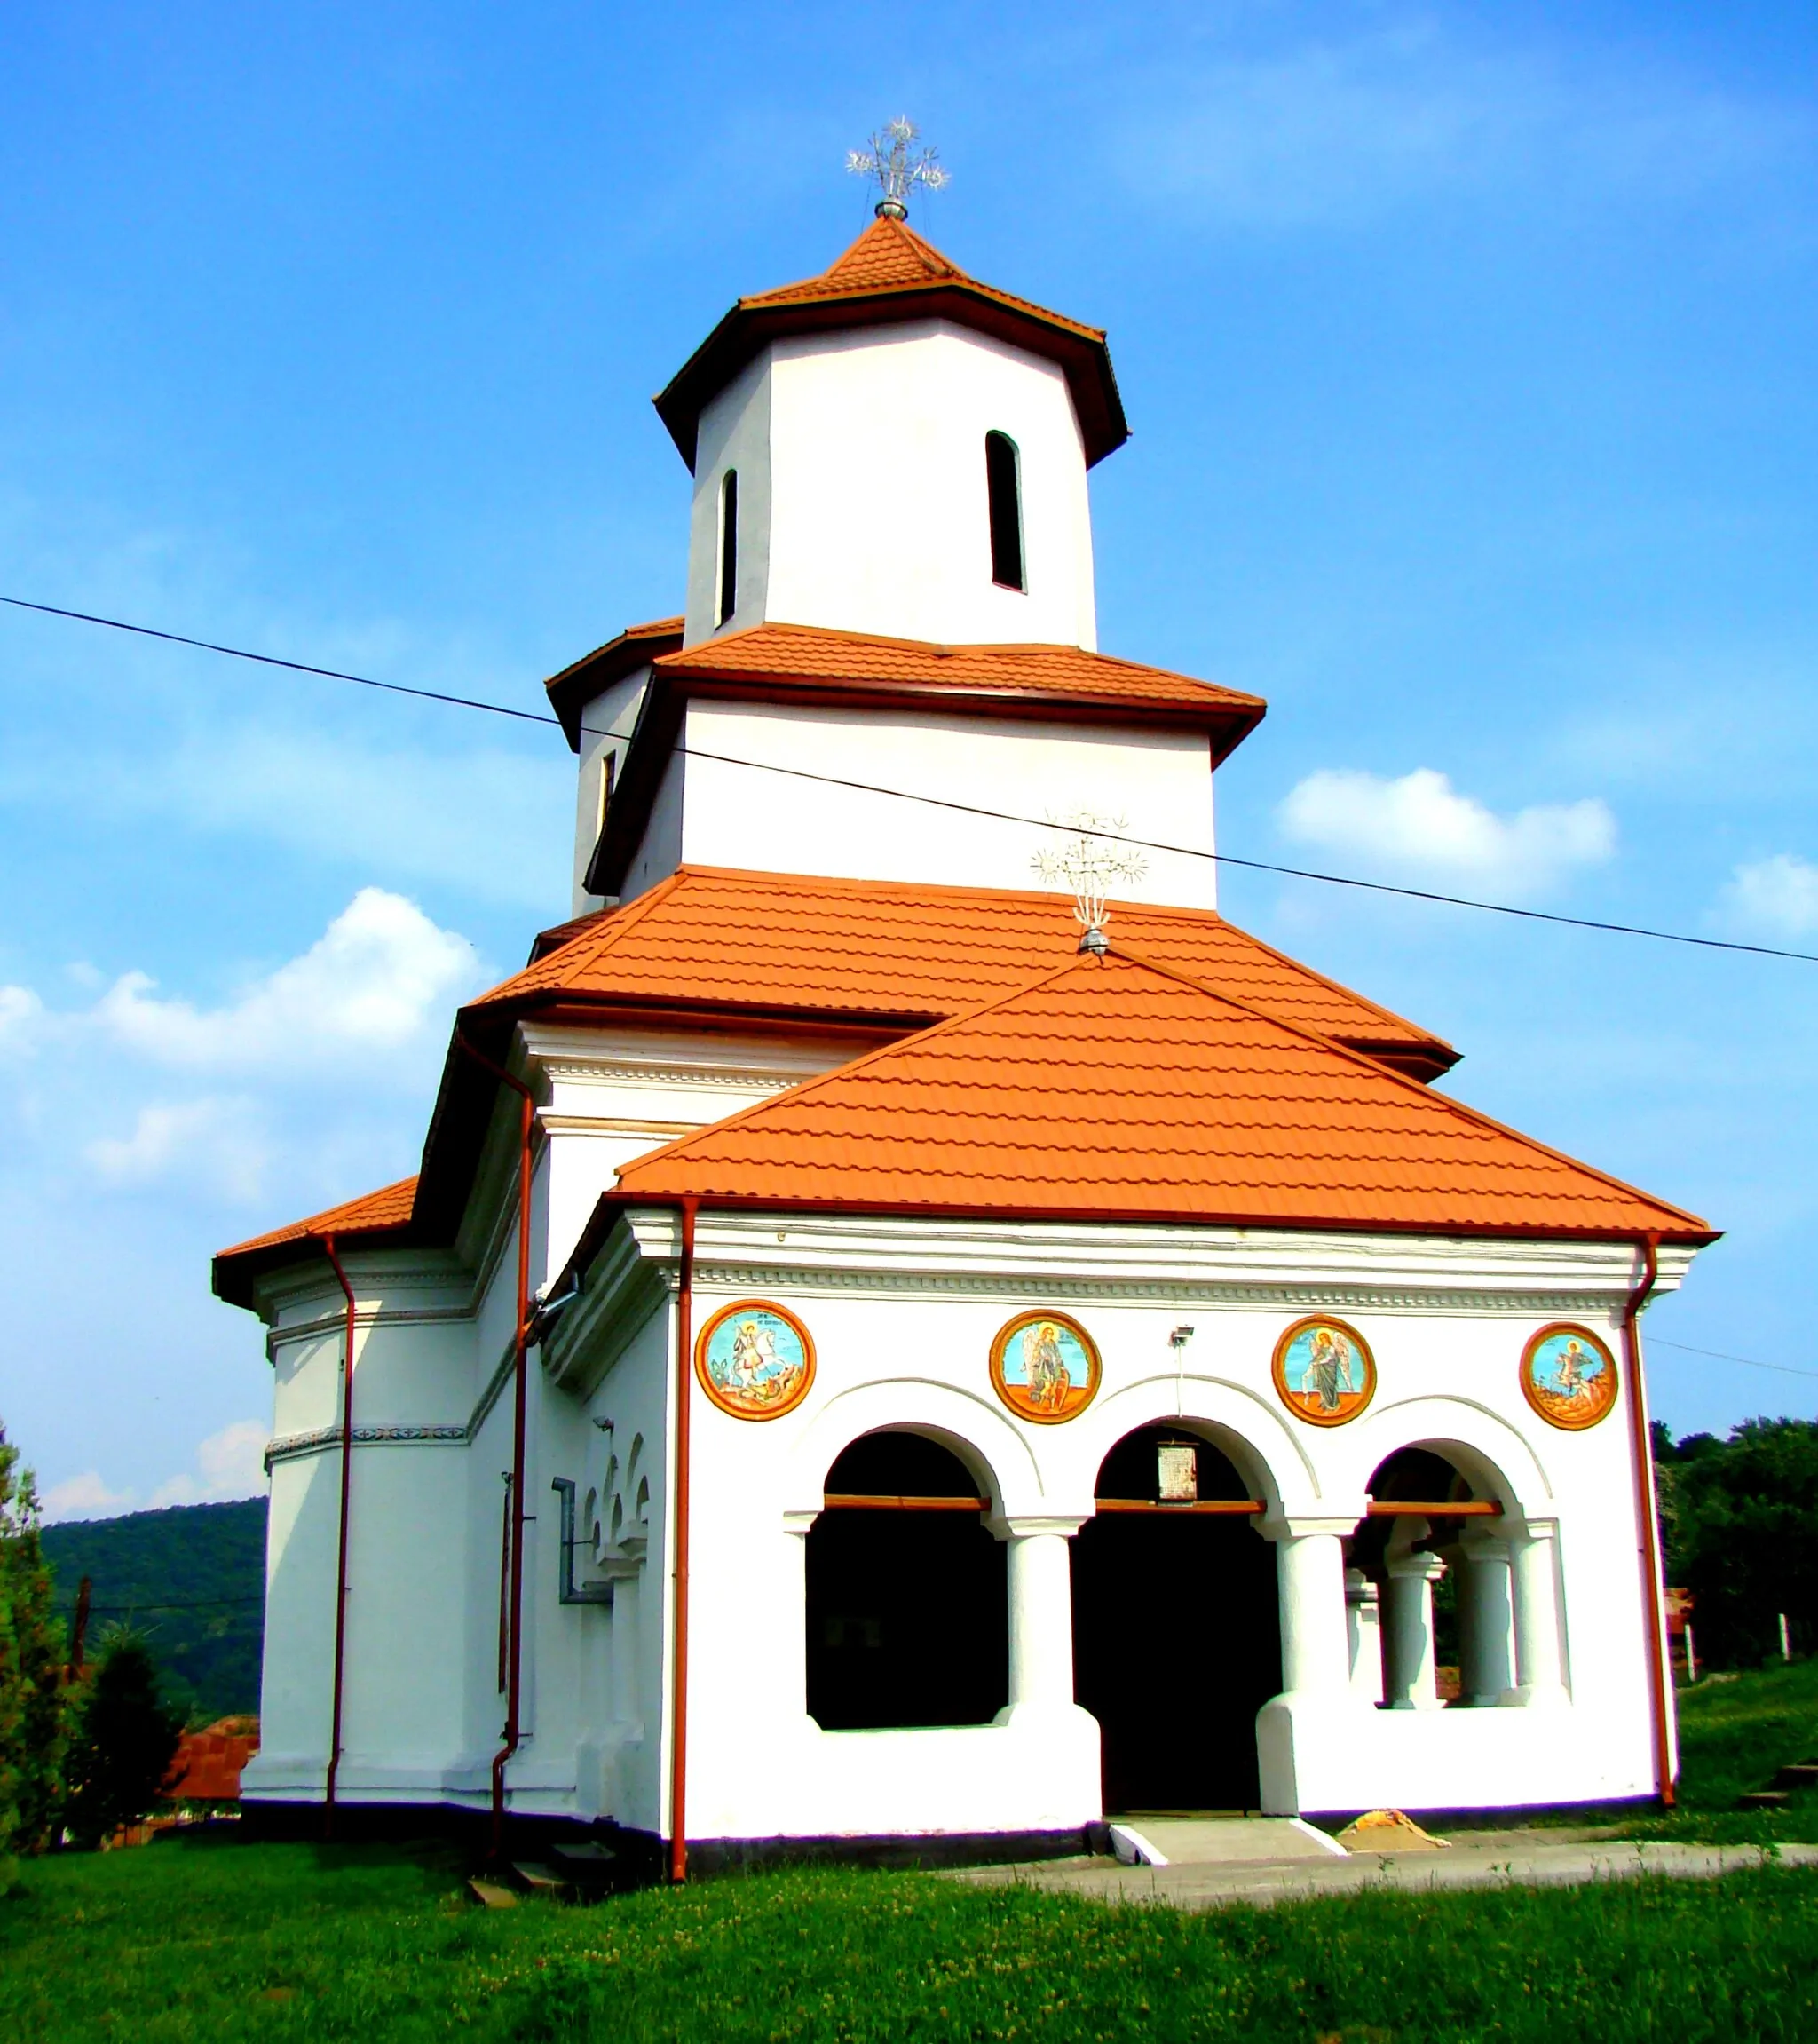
<point x="286" y="1448"/>
<point x="1263" y="1294"/>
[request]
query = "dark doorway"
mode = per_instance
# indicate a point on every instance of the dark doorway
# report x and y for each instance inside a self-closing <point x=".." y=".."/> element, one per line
<point x="907" y="1621"/>
<point x="1176" y="1632"/>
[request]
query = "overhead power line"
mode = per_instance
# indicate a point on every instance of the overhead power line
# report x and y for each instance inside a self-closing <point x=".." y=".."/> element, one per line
<point x="1717" y="1356"/>
<point x="944" y="801"/>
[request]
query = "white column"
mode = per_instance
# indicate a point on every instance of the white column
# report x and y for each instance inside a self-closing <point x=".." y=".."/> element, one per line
<point x="1364" y="1626"/>
<point x="1409" y="1681"/>
<point x="1041" y="1617"/>
<point x="1486" y="1619"/>
<point x="1540" y="1679"/>
<point x="1310" y="1583"/>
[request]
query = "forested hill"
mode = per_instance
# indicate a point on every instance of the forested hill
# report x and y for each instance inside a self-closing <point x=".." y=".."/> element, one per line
<point x="192" y="1579"/>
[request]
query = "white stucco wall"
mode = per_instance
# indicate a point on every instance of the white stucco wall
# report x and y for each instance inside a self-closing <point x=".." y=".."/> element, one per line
<point x="862" y="500"/>
<point x="903" y="1319"/>
<point x="412" y="1375"/>
<point x="710" y="813"/>
<point x="606" y="725"/>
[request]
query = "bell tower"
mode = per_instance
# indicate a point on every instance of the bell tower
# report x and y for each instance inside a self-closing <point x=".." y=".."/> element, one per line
<point x="895" y="449"/>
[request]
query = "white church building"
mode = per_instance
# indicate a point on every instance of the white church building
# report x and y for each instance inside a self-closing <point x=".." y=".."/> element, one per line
<point x="883" y="1346"/>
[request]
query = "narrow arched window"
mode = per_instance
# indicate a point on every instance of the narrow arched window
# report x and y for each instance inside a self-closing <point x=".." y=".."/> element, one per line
<point x="729" y="547"/>
<point x="1004" y="484"/>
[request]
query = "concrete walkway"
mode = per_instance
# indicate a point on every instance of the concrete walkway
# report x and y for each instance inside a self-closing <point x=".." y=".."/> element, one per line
<point x="1311" y="1870"/>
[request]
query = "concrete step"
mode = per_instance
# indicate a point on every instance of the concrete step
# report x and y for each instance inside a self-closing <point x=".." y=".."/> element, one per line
<point x="1217" y="1841"/>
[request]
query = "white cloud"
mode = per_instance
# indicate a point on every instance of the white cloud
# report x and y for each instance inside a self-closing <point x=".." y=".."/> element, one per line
<point x="214" y="1141"/>
<point x="1343" y="129"/>
<point x="294" y="1077"/>
<point x="1777" y="897"/>
<point x="371" y="984"/>
<point x="232" y="1465"/>
<point x="229" y="1465"/>
<point x="1420" y="826"/>
<point x="84" y="1497"/>
<point x="20" y="1012"/>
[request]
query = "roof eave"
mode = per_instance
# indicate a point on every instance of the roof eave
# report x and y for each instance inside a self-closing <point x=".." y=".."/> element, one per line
<point x="576" y="685"/>
<point x="616" y="1199"/>
<point x="1082" y="351"/>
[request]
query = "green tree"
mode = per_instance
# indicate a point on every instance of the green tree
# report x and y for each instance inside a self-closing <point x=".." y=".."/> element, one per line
<point x="125" y="1738"/>
<point x="33" y="1713"/>
<point x="1741" y="1518"/>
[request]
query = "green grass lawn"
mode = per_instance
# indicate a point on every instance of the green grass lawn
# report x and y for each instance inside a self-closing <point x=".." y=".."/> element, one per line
<point x="205" y="1939"/>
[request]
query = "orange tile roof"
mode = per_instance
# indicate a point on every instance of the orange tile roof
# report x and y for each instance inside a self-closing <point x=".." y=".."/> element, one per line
<point x="812" y="653"/>
<point x="891" y="273"/>
<point x="869" y="950"/>
<point x="367" y="1220"/>
<point x="871" y="955"/>
<point x="889" y="256"/>
<point x="371" y="1213"/>
<point x="1114" y="1089"/>
<point x="887" y="253"/>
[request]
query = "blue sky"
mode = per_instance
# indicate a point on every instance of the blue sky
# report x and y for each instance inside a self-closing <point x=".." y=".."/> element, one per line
<point x="1468" y="352"/>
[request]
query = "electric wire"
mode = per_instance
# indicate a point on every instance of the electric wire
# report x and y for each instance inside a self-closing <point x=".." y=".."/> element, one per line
<point x="944" y="801"/>
<point x="1717" y="1355"/>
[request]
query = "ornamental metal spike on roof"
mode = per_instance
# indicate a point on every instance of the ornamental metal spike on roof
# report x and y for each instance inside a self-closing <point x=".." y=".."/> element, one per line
<point x="1116" y="1090"/>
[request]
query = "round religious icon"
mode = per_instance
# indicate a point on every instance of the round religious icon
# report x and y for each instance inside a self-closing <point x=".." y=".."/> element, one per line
<point x="754" y="1361"/>
<point x="1323" y="1371"/>
<point x="1569" y="1376"/>
<point x="1044" y="1367"/>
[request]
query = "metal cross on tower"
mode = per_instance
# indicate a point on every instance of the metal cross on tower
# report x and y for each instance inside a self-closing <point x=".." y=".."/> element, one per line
<point x="898" y="167"/>
<point x="1090" y="860"/>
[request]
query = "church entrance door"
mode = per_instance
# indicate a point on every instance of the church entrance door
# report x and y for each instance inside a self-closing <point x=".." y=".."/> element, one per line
<point x="1176" y="1631"/>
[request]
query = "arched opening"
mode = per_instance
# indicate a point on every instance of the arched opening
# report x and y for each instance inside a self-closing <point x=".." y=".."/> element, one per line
<point x="1428" y="1589"/>
<point x="729" y="548"/>
<point x="907" y="1620"/>
<point x="1003" y="483"/>
<point x="1176" y="1633"/>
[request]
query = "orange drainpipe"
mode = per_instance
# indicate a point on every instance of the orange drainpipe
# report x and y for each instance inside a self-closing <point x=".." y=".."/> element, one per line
<point x="678" y="1728"/>
<point x="327" y="1242"/>
<point x="514" y="1659"/>
<point x="1647" y="1511"/>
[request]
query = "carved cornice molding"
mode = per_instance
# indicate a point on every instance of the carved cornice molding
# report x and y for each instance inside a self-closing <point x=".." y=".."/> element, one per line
<point x="1260" y="1295"/>
<point x="680" y="1078"/>
<point x="288" y="1447"/>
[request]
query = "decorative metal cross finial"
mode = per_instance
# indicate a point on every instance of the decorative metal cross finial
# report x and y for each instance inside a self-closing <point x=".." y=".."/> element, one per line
<point x="898" y="167"/>
<point x="1091" y="860"/>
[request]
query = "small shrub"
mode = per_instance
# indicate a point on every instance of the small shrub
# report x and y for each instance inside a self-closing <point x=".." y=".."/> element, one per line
<point x="125" y="1738"/>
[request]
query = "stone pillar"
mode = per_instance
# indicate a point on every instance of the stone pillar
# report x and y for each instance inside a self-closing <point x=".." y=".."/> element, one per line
<point x="1408" y="1664"/>
<point x="1486" y="1621"/>
<point x="1310" y="1583"/>
<point x="1363" y="1625"/>
<point x="1305" y="1737"/>
<point x="1539" y="1676"/>
<point x="1041" y="1617"/>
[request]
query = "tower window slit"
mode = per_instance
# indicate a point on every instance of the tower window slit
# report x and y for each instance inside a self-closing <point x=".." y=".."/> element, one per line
<point x="1004" y="486"/>
<point x="729" y="547"/>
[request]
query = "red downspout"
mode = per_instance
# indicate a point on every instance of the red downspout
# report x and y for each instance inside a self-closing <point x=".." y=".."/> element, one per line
<point x="1647" y="1511"/>
<point x="514" y="1662"/>
<point x="678" y="1729"/>
<point x="340" y="1548"/>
